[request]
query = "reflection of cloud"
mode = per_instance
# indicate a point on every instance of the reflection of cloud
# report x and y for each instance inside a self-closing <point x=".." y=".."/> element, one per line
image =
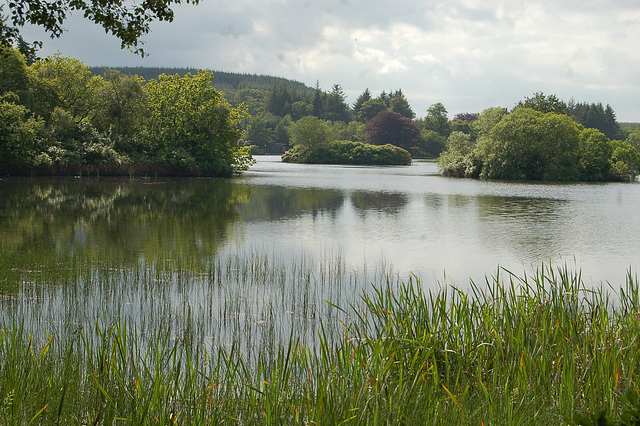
<point x="528" y="226"/>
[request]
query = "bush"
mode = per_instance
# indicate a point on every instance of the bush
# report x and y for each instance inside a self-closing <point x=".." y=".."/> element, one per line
<point x="348" y="152"/>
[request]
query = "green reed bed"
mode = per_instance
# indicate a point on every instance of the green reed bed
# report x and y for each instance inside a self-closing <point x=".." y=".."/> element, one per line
<point x="255" y="340"/>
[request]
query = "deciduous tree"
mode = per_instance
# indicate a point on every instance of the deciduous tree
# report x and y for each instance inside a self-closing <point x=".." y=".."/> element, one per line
<point x="389" y="127"/>
<point x="437" y="120"/>
<point x="191" y="126"/>
<point x="128" y="21"/>
<point x="543" y="103"/>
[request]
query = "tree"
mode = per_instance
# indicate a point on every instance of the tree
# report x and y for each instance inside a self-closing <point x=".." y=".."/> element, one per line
<point x="125" y="20"/>
<point x="625" y="161"/>
<point x="120" y="110"/>
<point x="543" y="103"/>
<point x="370" y="109"/>
<point x="278" y="101"/>
<point x="469" y="117"/>
<point x="364" y="97"/>
<point x="336" y="108"/>
<point x="432" y="143"/>
<point x="318" y="101"/>
<point x="192" y="128"/>
<point x="530" y="145"/>
<point x="458" y="159"/>
<point x="595" y="116"/>
<point x="400" y="105"/>
<point x="14" y="74"/>
<point x="612" y="129"/>
<point x="594" y="156"/>
<point x="301" y="109"/>
<point x="487" y="120"/>
<point x="310" y="132"/>
<point x="66" y="83"/>
<point x="634" y="138"/>
<point x="392" y="128"/>
<point x="437" y="120"/>
<point x="18" y="135"/>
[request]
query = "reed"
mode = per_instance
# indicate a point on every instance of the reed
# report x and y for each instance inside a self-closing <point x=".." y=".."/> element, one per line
<point x="251" y="339"/>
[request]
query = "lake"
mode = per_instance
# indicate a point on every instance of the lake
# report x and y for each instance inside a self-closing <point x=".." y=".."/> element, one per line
<point x="244" y="263"/>
<point x="409" y="219"/>
<point x="437" y="227"/>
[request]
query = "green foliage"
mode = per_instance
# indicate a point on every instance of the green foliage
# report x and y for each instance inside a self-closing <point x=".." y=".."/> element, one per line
<point x="69" y="83"/>
<point x="543" y="103"/>
<point x="487" y="120"/>
<point x="459" y="159"/>
<point x="18" y="138"/>
<point x="14" y="76"/>
<point x="462" y="126"/>
<point x="120" y="111"/>
<point x="335" y="108"/>
<point x="62" y="120"/>
<point x="349" y="152"/>
<point x="400" y="105"/>
<point x="128" y="22"/>
<point x="191" y="128"/>
<point x="594" y="157"/>
<point x="310" y="132"/>
<point x="360" y="100"/>
<point x="437" y="120"/>
<point x="625" y="162"/>
<point x="432" y="143"/>
<point x="634" y="139"/>
<point x="370" y="109"/>
<point x="595" y="116"/>
<point x="301" y="109"/>
<point x="530" y="145"/>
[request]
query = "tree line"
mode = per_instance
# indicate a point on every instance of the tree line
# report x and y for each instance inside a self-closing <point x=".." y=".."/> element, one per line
<point x="56" y="117"/>
<point x="588" y="143"/>
<point x="60" y="118"/>
<point x="543" y="138"/>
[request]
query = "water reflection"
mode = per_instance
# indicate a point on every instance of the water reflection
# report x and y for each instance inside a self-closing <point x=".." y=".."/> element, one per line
<point x="405" y="216"/>
<point x="380" y="201"/>
<point x="278" y="203"/>
<point x="121" y="219"/>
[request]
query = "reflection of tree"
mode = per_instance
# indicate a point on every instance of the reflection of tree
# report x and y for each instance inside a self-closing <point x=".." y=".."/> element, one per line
<point x="276" y="202"/>
<point x="389" y="202"/>
<point x="120" y="219"/>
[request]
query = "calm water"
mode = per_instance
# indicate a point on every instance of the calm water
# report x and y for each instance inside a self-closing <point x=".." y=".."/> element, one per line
<point x="407" y="218"/>
<point x="434" y="227"/>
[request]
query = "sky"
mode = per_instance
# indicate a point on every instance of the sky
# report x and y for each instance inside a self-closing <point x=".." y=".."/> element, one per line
<point x="467" y="54"/>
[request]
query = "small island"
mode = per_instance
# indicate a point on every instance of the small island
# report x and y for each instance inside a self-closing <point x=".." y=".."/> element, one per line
<point x="313" y="143"/>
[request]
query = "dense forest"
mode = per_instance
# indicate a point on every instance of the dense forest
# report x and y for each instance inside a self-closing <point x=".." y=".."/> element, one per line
<point x="62" y="117"/>
<point x="56" y="117"/>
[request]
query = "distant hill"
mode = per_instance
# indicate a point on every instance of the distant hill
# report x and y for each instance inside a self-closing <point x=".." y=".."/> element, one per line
<point x="227" y="82"/>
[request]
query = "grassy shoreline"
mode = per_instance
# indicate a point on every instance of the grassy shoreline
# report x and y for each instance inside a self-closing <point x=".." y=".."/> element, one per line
<point x="541" y="349"/>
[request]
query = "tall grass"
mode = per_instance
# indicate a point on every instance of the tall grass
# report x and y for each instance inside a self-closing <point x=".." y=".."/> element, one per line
<point x="253" y="340"/>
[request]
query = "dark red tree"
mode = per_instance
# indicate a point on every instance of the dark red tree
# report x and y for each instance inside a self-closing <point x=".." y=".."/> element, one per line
<point x="391" y="127"/>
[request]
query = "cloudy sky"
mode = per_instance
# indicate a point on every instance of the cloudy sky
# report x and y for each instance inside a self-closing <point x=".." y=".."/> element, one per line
<point x="467" y="54"/>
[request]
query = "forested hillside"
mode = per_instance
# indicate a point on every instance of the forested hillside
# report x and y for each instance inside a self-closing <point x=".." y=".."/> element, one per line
<point x="227" y="82"/>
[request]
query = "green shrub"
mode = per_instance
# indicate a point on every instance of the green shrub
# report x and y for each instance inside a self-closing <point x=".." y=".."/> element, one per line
<point x="348" y="152"/>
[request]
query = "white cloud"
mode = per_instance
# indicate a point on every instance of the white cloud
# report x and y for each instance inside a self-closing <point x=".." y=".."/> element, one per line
<point x="467" y="54"/>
